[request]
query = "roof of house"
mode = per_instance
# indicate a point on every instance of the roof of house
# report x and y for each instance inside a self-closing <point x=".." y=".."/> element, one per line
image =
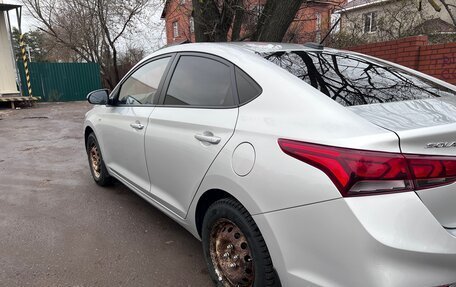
<point x="163" y="15"/>
<point x="436" y="25"/>
<point x="356" y="4"/>
<point x="7" y="7"/>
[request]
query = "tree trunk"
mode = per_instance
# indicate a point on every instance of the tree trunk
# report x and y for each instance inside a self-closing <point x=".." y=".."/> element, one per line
<point x="212" y="23"/>
<point x="207" y="17"/>
<point x="116" y="65"/>
<point x="275" y="20"/>
<point x="237" y="24"/>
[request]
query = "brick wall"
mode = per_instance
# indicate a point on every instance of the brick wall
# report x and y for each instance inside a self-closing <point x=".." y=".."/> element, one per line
<point x="415" y="52"/>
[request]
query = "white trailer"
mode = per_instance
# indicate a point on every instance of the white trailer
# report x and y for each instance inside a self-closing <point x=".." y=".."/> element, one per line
<point x="8" y="72"/>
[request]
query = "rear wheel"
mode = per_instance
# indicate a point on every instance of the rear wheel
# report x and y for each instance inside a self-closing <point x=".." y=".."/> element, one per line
<point x="234" y="249"/>
<point x="97" y="167"/>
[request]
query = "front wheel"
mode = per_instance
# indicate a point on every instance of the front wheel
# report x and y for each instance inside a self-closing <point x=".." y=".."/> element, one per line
<point x="97" y="167"/>
<point x="235" y="251"/>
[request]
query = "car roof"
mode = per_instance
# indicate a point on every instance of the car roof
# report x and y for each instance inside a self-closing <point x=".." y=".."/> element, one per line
<point x="252" y="47"/>
<point x="265" y="47"/>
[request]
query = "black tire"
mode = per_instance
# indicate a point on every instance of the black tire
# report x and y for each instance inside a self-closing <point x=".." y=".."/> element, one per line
<point x="101" y="175"/>
<point x="261" y="270"/>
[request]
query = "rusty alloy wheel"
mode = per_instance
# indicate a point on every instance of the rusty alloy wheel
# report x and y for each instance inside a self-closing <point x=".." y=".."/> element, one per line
<point x="231" y="255"/>
<point x="95" y="160"/>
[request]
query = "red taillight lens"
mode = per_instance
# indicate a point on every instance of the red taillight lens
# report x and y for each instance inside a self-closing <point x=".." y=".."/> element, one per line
<point x="431" y="171"/>
<point x="360" y="172"/>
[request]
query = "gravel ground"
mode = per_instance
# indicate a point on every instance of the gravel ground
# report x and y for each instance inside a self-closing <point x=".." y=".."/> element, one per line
<point x="58" y="228"/>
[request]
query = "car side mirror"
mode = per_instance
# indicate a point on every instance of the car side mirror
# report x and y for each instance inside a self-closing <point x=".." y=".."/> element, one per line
<point x="98" y="97"/>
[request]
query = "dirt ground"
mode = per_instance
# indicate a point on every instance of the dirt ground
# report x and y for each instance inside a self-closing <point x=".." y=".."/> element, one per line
<point x="58" y="228"/>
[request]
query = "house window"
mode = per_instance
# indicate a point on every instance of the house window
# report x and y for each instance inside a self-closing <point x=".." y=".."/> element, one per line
<point x="175" y="29"/>
<point x="192" y="25"/>
<point x="318" y="21"/>
<point x="370" y="22"/>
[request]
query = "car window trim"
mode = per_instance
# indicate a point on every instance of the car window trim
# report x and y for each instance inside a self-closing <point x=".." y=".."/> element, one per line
<point x="117" y="89"/>
<point x="234" y="92"/>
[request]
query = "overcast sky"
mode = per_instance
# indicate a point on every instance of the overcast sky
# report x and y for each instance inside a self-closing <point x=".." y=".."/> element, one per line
<point x="151" y="35"/>
<point x="28" y="22"/>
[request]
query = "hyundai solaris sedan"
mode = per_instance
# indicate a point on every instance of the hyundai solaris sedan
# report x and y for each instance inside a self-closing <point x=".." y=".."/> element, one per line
<point x="295" y="165"/>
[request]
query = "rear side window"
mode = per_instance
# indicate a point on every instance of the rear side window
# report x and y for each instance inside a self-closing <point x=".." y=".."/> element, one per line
<point x="200" y="81"/>
<point x="353" y="80"/>
<point x="247" y="88"/>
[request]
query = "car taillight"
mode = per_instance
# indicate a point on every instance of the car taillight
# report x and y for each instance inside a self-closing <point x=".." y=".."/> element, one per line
<point x="431" y="171"/>
<point x="361" y="172"/>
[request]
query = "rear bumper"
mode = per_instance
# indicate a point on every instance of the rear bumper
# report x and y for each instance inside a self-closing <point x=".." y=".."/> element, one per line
<point x="386" y="240"/>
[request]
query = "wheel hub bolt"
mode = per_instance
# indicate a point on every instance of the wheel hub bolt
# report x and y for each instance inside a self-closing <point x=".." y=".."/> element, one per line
<point x="235" y="257"/>
<point x="229" y="246"/>
<point x="232" y="265"/>
<point x="226" y="255"/>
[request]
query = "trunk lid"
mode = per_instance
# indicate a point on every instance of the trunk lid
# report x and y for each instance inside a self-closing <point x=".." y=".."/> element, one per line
<point x="425" y="127"/>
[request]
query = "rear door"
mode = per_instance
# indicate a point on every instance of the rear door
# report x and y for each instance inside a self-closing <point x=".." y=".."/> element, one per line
<point x="123" y="125"/>
<point x="195" y="119"/>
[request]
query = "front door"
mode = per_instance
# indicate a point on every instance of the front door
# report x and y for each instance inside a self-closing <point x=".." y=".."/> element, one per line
<point x="125" y="123"/>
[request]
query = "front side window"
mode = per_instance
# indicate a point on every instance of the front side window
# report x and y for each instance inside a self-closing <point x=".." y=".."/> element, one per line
<point x="354" y="80"/>
<point x="199" y="81"/>
<point x="141" y="87"/>
<point x="370" y="22"/>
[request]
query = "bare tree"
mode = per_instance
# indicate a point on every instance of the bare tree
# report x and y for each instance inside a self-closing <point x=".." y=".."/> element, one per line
<point x="275" y="20"/>
<point x="215" y="19"/>
<point x="396" y="19"/>
<point x="92" y="29"/>
<point x="393" y="21"/>
<point x="450" y="7"/>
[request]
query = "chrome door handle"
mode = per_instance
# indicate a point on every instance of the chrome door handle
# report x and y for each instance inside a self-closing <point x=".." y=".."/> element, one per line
<point x="208" y="138"/>
<point x="137" y="126"/>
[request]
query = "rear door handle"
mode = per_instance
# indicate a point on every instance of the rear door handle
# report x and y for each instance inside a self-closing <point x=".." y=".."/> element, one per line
<point x="137" y="125"/>
<point x="208" y="138"/>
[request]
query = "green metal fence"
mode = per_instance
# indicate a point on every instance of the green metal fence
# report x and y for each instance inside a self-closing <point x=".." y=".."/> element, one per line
<point x="61" y="82"/>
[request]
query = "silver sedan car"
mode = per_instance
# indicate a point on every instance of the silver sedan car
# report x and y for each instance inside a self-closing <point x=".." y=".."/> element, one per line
<point x="295" y="165"/>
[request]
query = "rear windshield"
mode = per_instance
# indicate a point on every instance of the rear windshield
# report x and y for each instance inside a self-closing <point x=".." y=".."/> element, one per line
<point x="352" y="80"/>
